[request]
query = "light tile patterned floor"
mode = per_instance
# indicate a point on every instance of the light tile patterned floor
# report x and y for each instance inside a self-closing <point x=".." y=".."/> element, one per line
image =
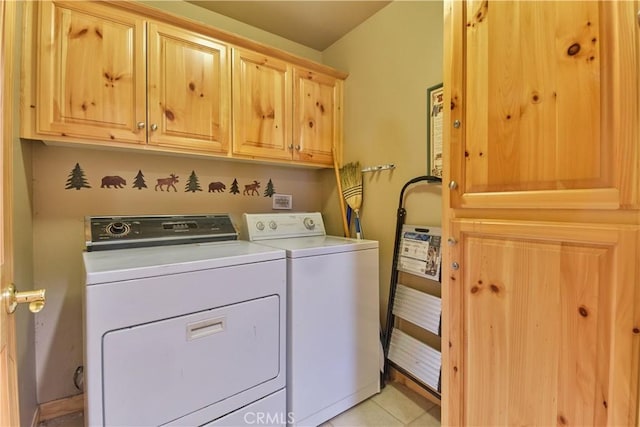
<point x="396" y="405"/>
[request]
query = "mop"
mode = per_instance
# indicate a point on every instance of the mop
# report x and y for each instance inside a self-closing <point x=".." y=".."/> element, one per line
<point x="351" y="179"/>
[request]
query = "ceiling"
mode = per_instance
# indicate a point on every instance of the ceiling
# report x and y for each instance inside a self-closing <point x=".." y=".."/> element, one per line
<point x="316" y="24"/>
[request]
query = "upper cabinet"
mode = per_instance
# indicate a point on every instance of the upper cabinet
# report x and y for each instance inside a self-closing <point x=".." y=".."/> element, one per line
<point x="89" y="77"/>
<point x="282" y="111"/>
<point x="549" y="93"/>
<point x="262" y="106"/>
<point x="317" y="123"/>
<point x="108" y="75"/>
<point x="188" y="90"/>
<point x="122" y="74"/>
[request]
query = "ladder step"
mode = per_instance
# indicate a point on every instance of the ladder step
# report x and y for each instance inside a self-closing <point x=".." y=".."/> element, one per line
<point x="418" y="308"/>
<point x="417" y="358"/>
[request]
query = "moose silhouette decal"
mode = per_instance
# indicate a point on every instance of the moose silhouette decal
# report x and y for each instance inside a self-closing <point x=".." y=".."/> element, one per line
<point x="251" y="189"/>
<point x="168" y="182"/>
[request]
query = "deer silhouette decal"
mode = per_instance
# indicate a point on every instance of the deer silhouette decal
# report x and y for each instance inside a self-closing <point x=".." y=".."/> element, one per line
<point x="168" y="182"/>
<point x="251" y="189"/>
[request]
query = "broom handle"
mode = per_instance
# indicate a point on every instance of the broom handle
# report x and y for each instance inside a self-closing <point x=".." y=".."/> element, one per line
<point x="343" y="210"/>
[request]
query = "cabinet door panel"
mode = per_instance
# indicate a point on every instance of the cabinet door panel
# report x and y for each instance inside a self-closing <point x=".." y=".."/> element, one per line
<point x="261" y="106"/>
<point x="189" y="90"/>
<point x="548" y="107"/>
<point x="317" y="126"/>
<point x="543" y="327"/>
<point x="91" y="80"/>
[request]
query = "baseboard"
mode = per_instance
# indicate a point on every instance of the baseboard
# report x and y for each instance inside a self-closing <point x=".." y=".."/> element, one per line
<point x="399" y="377"/>
<point x="60" y="407"/>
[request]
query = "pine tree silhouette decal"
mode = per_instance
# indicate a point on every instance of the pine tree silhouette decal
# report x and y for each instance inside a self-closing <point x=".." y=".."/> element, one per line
<point x="138" y="181"/>
<point x="269" y="191"/>
<point x="76" y="179"/>
<point x="234" y="187"/>
<point x="192" y="183"/>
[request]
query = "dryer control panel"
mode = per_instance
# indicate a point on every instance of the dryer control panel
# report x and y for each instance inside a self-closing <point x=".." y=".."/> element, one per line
<point x="119" y="232"/>
<point x="283" y="225"/>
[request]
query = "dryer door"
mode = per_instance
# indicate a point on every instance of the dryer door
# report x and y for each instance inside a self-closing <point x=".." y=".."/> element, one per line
<point x="160" y="371"/>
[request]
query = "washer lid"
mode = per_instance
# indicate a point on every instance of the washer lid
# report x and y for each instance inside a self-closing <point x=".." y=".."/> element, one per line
<point x="136" y="263"/>
<point x="298" y="247"/>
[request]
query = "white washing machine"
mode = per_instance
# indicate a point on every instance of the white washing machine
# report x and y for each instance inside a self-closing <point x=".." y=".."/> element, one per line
<point x="189" y="331"/>
<point x="333" y="349"/>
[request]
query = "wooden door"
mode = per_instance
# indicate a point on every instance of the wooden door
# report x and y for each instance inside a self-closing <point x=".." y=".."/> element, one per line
<point x="545" y="97"/>
<point x="541" y="282"/>
<point x="9" y="412"/>
<point x="261" y="106"/>
<point x="544" y="324"/>
<point x="317" y="123"/>
<point x="90" y="72"/>
<point x="189" y="90"/>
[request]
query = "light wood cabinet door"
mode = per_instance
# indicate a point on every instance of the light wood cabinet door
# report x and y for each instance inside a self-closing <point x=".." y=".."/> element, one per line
<point x="544" y="324"/>
<point x="91" y="72"/>
<point x="261" y="106"/>
<point x="189" y="90"/>
<point x="545" y="98"/>
<point x="317" y="123"/>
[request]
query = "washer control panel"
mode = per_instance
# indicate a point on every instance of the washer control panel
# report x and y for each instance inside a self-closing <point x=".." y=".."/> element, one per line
<point x="283" y="225"/>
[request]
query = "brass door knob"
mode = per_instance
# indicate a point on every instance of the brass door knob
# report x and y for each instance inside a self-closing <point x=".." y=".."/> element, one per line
<point x="35" y="298"/>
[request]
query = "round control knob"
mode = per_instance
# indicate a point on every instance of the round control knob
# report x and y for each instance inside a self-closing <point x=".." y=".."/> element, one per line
<point x="273" y="225"/>
<point x="260" y="225"/>
<point x="308" y="223"/>
<point x="117" y="229"/>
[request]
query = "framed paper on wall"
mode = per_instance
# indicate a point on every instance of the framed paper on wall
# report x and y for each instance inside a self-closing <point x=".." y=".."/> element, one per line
<point x="435" y="113"/>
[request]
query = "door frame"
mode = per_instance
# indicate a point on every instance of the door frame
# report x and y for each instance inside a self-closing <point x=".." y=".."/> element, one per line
<point x="9" y="404"/>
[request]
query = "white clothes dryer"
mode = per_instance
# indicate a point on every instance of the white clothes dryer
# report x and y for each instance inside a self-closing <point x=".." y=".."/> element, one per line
<point x="333" y="349"/>
<point x="182" y="333"/>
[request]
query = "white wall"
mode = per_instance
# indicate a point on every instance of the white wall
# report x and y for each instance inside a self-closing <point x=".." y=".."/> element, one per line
<point x="392" y="59"/>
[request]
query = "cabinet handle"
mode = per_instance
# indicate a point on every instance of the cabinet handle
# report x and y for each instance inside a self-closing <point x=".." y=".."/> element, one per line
<point x="140" y="125"/>
<point x="154" y="127"/>
<point x="297" y="148"/>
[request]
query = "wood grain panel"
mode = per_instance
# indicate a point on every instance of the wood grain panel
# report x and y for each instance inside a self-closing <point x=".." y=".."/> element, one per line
<point x="317" y="112"/>
<point x="91" y="80"/>
<point x="549" y="323"/>
<point x="189" y="90"/>
<point x="262" y="106"/>
<point x="551" y="97"/>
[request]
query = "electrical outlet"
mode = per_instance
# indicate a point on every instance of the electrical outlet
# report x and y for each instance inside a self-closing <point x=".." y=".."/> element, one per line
<point x="282" y="201"/>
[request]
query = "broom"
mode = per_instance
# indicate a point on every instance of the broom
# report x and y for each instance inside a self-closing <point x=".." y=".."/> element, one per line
<point x="351" y="178"/>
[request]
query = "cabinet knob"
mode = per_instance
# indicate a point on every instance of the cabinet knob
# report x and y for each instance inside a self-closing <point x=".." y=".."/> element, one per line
<point x="154" y="127"/>
<point x="456" y="124"/>
<point x="141" y="125"/>
<point x="455" y="265"/>
<point x="291" y="147"/>
<point x="452" y="241"/>
<point x="297" y="147"/>
<point x="453" y="185"/>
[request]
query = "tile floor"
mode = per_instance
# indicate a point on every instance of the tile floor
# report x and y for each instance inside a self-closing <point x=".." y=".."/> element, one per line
<point x="396" y="405"/>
